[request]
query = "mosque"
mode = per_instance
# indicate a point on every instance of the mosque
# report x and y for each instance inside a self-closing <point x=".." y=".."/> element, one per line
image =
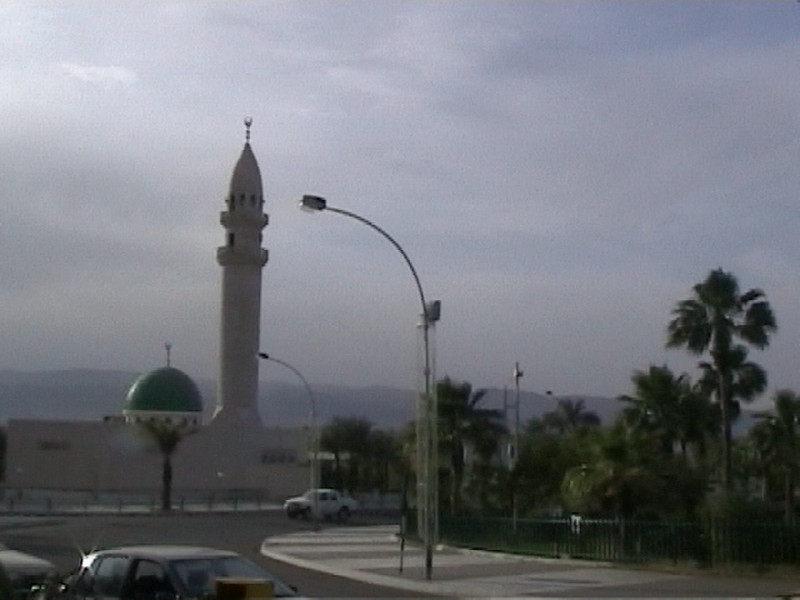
<point x="234" y="451"/>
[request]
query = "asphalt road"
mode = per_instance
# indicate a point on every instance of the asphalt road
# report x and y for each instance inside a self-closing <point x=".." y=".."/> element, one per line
<point x="62" y="539"/>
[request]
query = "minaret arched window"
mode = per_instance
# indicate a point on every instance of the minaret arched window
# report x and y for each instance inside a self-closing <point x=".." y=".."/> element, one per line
<point x="230" y="240"/>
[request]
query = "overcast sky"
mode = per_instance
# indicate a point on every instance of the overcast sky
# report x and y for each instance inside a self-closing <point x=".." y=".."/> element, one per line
<point x="560" y="174"/>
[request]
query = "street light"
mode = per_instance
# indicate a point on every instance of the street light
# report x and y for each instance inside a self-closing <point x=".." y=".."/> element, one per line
<point x="515" y="500"/>
<point x="427" y="461"/>
<point x="314" y="461"/>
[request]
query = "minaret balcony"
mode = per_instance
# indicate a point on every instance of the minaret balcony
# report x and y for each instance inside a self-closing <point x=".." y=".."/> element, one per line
<point x="243" y="219"/>
<point x="230" y="255"/>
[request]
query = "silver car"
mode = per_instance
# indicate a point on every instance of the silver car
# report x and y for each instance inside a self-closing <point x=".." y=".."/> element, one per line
<point x="162" y="573"/>
<point x="24" y="571"/>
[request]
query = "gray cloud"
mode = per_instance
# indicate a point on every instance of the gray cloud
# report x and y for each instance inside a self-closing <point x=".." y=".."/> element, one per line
<point x="560" y="173"/>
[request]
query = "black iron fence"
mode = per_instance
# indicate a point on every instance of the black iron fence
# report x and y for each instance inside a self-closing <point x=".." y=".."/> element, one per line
<point x="709" y="543"/>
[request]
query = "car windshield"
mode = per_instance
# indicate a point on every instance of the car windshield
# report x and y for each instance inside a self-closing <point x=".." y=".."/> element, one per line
<point x="197" y="575"/>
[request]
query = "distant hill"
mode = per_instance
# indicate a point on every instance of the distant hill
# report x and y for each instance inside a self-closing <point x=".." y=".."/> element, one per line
<point x="77" y="394"/>
<point x="85" y="394"/>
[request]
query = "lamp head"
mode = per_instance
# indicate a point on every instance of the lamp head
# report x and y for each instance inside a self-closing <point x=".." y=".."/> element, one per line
<point x="313" y="203"/>
<point x="263" y="355"/>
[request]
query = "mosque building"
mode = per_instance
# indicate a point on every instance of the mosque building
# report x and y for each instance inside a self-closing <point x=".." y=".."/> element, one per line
<point x="234" y="451"/>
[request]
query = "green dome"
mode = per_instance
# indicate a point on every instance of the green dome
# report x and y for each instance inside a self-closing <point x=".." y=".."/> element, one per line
<point x="166" y="390"/>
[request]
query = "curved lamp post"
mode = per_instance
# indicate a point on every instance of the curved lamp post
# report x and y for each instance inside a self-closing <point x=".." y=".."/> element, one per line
<point x="314" y="461"/>
<point x="427" y="463"/>
<point x="517" y="374"/>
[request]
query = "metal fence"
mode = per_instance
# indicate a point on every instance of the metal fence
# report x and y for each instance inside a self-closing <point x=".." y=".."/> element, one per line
<point x="39" y="502"/>
<point x="47" y="502"/>
<point x="709" y="543"/>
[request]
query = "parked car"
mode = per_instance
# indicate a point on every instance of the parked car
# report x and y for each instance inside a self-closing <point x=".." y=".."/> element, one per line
<point x="161" y="573"/>
<point x="24" y="571"/>
<point x="323" y="502"/>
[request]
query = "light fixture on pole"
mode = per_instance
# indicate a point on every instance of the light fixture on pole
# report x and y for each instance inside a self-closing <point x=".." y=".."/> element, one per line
<point x="427" y="414"/>
<point x="515" y="497"/>
<point x="313" y="463"/>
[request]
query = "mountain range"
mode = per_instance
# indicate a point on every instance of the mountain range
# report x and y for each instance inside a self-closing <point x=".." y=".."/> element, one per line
<point x="87" y="394"/>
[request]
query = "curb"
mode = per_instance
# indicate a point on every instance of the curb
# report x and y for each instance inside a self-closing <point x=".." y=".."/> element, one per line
<point x="433" y="587"/>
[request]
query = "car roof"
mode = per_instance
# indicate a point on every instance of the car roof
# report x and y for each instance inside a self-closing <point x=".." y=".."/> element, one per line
<point x="170" y="552"/>
<point x="19" y="562"/>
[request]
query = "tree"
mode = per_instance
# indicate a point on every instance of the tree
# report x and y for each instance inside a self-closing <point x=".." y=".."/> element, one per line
<point x="407" y="444"/>
<point x="462" y="421"/>
<point x="670" y="407"/>
<point x="757" y="456"/>
<point x="348" y="440"/>
<point x="3" y="450"/>
<point x="569" y="417"/>
<point x="778" y="437"/>
<point x="745" y="379"/>
<point x="710" y="321"/>
<point x="544" y="458"/>
<point x="167" y="437"/>
<point x="618" y="477"/>
<point x="383" y="458"/>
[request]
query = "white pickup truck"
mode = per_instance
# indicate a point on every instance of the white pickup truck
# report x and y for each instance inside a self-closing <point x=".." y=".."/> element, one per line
<point x="323" y="503"/>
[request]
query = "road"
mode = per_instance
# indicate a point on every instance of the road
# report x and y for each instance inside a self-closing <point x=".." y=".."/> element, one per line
<point x="61" y="540"/>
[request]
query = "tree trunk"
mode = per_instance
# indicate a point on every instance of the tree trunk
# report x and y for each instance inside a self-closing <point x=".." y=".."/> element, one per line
<point x="788" y="496"/>
<point x="166" y="485"/>
<point x="337" y="477"/>
<point x="727" y="438"/>
<point x="457" y="460"/>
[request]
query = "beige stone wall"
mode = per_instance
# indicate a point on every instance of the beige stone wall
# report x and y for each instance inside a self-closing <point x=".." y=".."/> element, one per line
<point x="114" y="456"/>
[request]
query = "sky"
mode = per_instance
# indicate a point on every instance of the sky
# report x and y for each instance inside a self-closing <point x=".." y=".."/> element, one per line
<point x="560" y="174"/>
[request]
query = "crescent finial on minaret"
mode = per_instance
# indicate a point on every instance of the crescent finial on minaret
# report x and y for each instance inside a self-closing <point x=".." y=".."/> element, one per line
<point x="248" y="121"/>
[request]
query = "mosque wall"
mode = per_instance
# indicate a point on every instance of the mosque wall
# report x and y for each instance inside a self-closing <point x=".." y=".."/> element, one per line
<point x="114" y="456"/>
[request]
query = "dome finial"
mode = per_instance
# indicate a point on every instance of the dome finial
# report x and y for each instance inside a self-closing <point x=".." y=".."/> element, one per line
<point x="168" y="348"/>
<point x="248" y="121"/>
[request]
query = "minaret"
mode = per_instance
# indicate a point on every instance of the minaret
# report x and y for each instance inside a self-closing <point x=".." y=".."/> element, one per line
<point x="241" y="259"/>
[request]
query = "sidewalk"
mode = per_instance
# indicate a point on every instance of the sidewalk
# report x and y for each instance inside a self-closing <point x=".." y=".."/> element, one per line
<point x="372" y="554"/>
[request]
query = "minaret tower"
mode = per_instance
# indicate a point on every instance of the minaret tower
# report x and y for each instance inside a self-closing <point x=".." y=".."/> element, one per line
<point x="242" y="258"/>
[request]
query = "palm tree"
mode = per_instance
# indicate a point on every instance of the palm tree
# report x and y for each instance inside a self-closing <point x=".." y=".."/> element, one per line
<point x="745" y="379"/>
<point x="406" y="459"/>
<point x="757" y="456"/>
<point x="383" y="456"/>
<point x="779" y="437"/>
<point x="462" y="421"/>
<point x="617" y="477"/>
<point x="3" y="445"/>
<point x="543" y="460"/>
<point x="710" y="321"/>
<point x="347" y="437"/>
<point x="569" y="416"/>
<point x="671" y="407"/>
<point x="167" y="437"/>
